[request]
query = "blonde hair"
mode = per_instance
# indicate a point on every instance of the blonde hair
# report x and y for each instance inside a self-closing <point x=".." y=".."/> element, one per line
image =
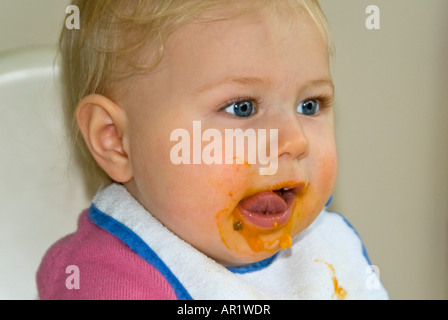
<point x="109" y="44"/>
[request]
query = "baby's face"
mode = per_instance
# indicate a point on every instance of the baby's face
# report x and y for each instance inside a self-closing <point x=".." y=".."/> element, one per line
<point x="251" y="72"/>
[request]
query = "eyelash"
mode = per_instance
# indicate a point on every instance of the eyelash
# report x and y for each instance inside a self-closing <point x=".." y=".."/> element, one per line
<point x="325" y="101"/>
<point x="255" y="100"/>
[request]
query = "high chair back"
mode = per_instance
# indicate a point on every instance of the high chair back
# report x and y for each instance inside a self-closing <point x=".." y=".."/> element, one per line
<point x="41" y="190"/>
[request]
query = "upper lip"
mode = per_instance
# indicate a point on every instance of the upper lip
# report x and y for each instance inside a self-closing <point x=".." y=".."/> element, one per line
<point x="296" y="187"/>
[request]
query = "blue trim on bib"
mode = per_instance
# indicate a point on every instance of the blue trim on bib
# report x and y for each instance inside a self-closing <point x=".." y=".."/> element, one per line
<point x="364" y="251"/>
<point x="128" y="236"/>
<point x="257" y="266"/>
<point x="329" y="201"/>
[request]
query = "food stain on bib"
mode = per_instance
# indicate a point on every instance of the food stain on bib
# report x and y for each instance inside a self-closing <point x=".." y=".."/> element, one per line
<point x="339" y="292"/>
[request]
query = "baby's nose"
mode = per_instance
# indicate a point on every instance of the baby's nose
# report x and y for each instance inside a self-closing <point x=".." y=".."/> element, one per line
<point x="292" y="139"/>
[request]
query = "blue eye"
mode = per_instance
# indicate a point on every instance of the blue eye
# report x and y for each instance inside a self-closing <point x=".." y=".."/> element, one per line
<point x="243" y="109"/>
<point x="308" y="107"/>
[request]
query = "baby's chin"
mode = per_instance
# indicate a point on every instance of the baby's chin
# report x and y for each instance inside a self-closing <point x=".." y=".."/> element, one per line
<point x="265" y="222"/>
<point x="242" y="254"/>
<point x="236" y="261"/>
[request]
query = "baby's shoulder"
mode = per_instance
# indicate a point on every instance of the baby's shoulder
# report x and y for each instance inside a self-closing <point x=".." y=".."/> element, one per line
<point x="91" y="263"/>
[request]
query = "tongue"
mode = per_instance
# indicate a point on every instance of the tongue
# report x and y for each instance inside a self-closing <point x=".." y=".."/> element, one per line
<point x="266" y="202"/>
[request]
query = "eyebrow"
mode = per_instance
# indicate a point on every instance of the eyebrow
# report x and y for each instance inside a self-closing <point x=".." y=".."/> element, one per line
<point x="258" y="81"/>
<point x="226" y="80"/>
<point x="319" y="82"/>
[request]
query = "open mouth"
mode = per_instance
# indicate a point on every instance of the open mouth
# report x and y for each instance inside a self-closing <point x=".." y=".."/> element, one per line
<point x="269" y="209"/>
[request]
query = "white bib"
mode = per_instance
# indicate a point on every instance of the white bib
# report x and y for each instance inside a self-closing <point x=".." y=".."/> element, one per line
<point x="326" y="261"/>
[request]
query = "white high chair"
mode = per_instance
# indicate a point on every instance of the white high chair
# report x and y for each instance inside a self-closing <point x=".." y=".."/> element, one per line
<point x="41" y="192"/>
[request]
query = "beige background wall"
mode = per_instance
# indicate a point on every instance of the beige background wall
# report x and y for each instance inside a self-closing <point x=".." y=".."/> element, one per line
<point x="392" y="135"/>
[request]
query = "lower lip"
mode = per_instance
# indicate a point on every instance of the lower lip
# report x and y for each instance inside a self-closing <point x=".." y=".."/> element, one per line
<point x="268" y="221"/>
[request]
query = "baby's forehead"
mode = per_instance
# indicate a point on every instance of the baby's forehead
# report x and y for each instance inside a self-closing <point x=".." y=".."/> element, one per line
<point x="235" y="33"/>
<point x="217" y="15"/>
<point x="134" y="40"/>
<point x="246" y="51"/>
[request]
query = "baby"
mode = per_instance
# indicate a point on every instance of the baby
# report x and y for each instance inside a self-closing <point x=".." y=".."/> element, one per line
<point x="172" y="99"/>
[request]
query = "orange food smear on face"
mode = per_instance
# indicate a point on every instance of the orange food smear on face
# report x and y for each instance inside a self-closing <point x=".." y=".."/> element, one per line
<point x="339" y="292"/>
<point x="246" y="163"/>
<point x="259" y="240"/>
<point x="285" y="241"/>
<point x="254" y="239"/>
<point x="264" y="240"/>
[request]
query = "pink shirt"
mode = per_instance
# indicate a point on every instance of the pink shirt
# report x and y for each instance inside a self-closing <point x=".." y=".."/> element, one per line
<point x="108" y="269"/>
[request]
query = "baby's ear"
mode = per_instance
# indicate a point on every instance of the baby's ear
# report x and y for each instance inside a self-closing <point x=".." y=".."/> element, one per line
<point x="103" y="124"/>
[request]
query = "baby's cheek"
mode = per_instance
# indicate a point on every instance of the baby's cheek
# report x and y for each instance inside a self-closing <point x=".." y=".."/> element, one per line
<point x="230" y="180"/>
<point x="211" y="201"/>
<point x="327" y="172"/>
<point x="208" y="189"/>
